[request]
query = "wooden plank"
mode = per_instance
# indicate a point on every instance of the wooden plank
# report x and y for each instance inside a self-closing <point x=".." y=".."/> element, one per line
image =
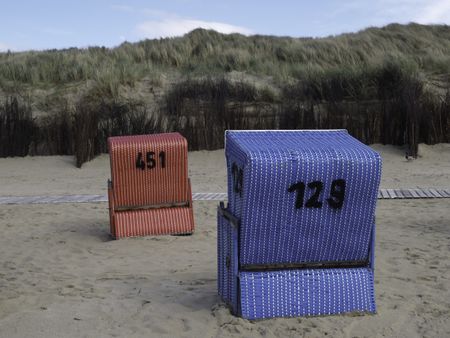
<point x="384" y="194"/>
<point x="391" y="193"/>
<point x="414" y="193"/>
<point x="406" y="193"/>
<point x="435" y="193"/>
<point x="399" y="193"/>
<point x="421" y="193"/>
<point x="428" y="193"/>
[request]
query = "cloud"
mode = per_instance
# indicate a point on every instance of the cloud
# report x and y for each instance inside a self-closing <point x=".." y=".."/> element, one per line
<point x="437" y="11"/>
<point x="174" y="26"/>
<point x="382" y="12"/>
<point x="421" y="11"/>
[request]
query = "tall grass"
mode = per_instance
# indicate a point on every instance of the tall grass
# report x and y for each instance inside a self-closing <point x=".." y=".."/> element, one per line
<point x="389" y="85"/>
<point x="205" y="51"/>
<point x="385" y="104"/>
<point x="17" y="128"/>
<point x="82" y="132"/>
<point x="94" y="122"/>
<point x="202" y="109"/>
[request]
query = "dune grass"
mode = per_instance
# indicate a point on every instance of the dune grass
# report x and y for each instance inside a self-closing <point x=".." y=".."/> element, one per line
<point x="388" y="85"/>
<point x="206" y="51"/>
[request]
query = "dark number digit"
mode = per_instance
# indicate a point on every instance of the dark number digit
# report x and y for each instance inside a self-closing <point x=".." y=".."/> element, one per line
<point x="162" y="158"/>
<point x="300" y="188"/>
<point x="337" y="194"/>
<point x="150" y="160"/>
<point x="313" y="201"/>
<point x="151" y="163"/>
<point x="238" y="179"/>
<point x="140" y="164"/>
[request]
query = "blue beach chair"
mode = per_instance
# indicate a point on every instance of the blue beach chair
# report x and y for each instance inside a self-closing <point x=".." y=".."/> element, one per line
<point x="297" y="236"/>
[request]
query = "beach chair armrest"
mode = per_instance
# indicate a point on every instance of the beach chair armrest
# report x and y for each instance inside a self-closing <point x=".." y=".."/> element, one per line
<point x="228" y="215"/>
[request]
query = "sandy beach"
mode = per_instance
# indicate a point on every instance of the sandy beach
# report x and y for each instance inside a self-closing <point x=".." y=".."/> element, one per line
<point x="61" y="275"/>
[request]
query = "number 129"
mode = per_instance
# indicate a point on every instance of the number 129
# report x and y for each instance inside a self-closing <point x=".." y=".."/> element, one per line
<point x="335" y="201"/>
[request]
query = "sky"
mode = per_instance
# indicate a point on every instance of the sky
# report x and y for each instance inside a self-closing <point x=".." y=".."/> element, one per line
<point x="49" y="24"/>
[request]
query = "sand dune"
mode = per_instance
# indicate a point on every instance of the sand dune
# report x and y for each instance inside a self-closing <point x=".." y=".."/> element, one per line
<point x="62" y="276"/>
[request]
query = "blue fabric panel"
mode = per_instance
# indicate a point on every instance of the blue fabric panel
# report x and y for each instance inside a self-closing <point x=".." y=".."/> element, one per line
<point x="289" y="293"/>
<point x="227" y="269"/>
<point x="223" y="243"/>
<point x="272" y="229"/>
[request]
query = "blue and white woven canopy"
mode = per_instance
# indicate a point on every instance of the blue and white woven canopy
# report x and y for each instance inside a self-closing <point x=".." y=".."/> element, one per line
<point x="302" y="196"/>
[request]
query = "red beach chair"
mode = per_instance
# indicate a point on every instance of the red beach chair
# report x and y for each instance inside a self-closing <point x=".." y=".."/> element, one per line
<point x="149" y="192"/>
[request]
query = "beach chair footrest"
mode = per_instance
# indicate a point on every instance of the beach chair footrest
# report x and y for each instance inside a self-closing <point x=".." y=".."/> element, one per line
<point x="148" y="222"/>
<point x="311" y="292"/>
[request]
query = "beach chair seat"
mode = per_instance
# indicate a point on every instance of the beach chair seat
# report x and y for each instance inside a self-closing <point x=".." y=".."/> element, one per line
<point x="297" y="236"/>
<point x="149" y="192"/>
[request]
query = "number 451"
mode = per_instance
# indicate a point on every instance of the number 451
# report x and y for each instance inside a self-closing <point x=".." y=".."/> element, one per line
<point x="150" y="162"/>
<point x="335" y="201"/>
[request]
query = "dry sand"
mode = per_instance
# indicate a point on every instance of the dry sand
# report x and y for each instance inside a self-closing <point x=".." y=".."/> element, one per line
<point x="62" y="276"/>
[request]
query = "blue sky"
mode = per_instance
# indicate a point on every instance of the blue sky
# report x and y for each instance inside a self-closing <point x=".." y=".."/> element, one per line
<point x="46" y="24"/>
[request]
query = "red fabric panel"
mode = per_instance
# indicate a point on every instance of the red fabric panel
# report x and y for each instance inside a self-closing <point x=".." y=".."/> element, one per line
<point x="161" y="221"/>
<point x="162" y="179"/>
<point x="133" y="186"/>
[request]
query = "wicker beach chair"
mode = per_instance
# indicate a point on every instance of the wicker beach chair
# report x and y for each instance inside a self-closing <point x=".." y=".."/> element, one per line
<point x="297" y="236"/>
<point x="149" y="192"/>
